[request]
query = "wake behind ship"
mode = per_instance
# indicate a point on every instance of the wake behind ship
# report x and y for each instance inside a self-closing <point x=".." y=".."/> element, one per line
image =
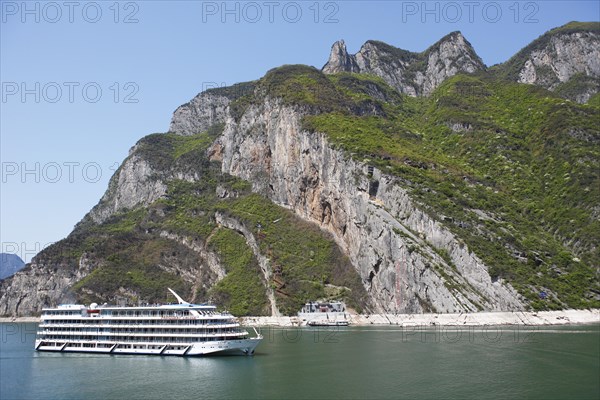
<point x="181" y="329"/>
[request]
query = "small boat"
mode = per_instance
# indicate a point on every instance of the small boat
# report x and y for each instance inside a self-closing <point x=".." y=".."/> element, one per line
<point x="324" y="314"/>
<point x="321" y="322"/>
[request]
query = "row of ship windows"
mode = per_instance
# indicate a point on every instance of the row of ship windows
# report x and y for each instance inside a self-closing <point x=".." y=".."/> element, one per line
<point x="78" y="312"/>
<point x="149" y="339"/>
<point x="120" y="346"/>
<point x="140" y="322"/>
<point x="146" y="330"/>
<point x="148" y="313"/>
<point x="129" y="313"/>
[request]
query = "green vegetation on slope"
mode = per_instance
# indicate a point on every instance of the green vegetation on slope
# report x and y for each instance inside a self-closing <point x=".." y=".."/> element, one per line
<point x="576" y="85"/>
<point x="510" y="168"/>
<point x="594" y="100"/>
<point x="294" y="84"/>
<point x="242" y="291"/>
<point x="306" y="263"/>
<point x="130" y="262"/>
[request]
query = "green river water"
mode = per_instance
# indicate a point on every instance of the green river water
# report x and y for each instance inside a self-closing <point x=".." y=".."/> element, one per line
<point x="309" y="363"/>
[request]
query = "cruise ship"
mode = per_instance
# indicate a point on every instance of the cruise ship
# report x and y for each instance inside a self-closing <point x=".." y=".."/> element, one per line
<point x="181" y="329"/>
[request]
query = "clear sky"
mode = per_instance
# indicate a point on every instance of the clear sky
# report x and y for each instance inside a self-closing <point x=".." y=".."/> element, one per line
<point x="83" y="81"/>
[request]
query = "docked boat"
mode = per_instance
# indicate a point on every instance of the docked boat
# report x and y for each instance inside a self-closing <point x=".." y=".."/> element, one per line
<point x="321" y="322"/>
<point x="324" y="314"/>
<point x="181" y="329"/>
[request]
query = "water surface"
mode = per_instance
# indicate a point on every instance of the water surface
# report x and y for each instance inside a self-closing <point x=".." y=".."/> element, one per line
<point x="353" y="362"/>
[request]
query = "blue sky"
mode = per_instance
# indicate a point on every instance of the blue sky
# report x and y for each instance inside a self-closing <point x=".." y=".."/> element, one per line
<point x="83" y="81"/>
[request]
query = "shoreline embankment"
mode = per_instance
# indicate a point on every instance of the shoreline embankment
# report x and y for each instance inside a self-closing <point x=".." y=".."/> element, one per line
<point x="539" y="318"/>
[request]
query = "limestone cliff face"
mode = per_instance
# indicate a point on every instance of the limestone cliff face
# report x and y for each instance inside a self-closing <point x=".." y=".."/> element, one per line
<point x="207" y="109"/>
<point x="562" y="58"/>
<point x="202" y="112"/>
<point x="48" y="281"/>
<point x="134" y="184"/>
<point x="412" y="73"/>
<point x="340" y="60"/>
<point x="565" y="60"/>
<point x="393" y="244"/>
<point x="37" y="286"/>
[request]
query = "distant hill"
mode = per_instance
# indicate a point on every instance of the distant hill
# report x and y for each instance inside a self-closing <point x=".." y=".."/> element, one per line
<point x="9" y="264"/>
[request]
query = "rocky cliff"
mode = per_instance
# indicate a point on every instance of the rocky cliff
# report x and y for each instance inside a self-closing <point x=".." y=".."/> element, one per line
<point x="565" y="60"/>
<point x="415" y="74"/>
<point x="135" y="183"/>
<point x="393" y="244"/>
<point x="311" y="185"/>
<point x="207" y="109"/>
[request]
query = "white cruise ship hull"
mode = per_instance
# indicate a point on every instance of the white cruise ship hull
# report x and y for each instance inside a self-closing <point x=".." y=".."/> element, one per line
<point x="233" y="347"/>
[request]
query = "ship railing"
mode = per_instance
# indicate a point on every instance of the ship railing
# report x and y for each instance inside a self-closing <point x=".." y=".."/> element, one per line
<point x="165" y="339"/>
<point x="157" y="334"/>
<point x="215" y="318"/>
<point x="141" y="326"/>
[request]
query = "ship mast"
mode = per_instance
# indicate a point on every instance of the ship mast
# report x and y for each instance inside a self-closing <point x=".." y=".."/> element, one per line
<point x="179" y="299"/>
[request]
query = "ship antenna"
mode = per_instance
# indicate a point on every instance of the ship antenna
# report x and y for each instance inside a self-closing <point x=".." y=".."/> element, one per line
<point x="179" y="299"/>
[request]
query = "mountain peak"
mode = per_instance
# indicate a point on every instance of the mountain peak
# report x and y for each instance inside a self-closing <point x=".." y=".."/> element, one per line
<point x="340" y="60"/>
<point x="576" y="26"/>
<point x="455" y="35"/>
<point x="564" y="60"/>
<point x="409" y="72"/>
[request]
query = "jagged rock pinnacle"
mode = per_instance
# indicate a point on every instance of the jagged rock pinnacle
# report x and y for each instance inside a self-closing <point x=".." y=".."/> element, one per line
<point x="411" y="73"/>
<point x="340" y="60"/>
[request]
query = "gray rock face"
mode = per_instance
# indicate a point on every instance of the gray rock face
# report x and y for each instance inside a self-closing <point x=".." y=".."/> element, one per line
<point x="46" y="283"/>
<point x="412" y="73"/>
<point x="134" y="184"/>
<point x="563" y="56"/>
<point x="39" y="285"/>
<point x="393" y="244"/>
<point x="203" y="111"/>
<point x="340" y="60"/>
<point x="447" y="59"/>
<point x="137" y="183"/>
<point x="209" y="270"/>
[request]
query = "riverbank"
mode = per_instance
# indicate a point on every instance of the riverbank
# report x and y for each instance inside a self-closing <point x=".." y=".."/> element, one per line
<point x="563" y="317"/>
<point x="19" y="319"/>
